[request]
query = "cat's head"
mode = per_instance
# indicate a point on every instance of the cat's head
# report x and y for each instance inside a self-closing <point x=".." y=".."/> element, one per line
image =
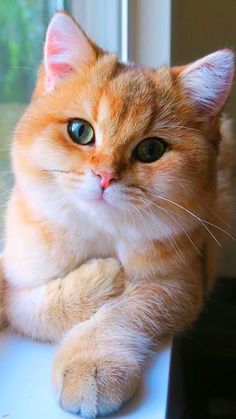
<point x="118" y="140"/>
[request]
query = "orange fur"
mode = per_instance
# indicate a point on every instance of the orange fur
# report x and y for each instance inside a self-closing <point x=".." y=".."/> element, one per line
<point x="109" y="314"/>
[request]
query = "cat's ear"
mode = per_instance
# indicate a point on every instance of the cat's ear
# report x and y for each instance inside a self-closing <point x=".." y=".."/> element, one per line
<point x="66" y="47"/>
<point x="208" y="81"/>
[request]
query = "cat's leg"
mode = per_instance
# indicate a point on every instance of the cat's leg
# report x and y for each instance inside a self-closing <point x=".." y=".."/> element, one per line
<point x="46" y="312"/>
<point x="100" y="361"/>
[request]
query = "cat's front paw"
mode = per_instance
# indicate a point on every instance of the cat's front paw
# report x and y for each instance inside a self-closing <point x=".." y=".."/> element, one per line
<point x="93" y="384"/>
<point x="92" y="285"/>
<point x="106" y="278"/>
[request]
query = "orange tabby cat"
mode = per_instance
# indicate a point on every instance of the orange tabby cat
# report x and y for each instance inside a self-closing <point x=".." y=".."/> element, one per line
<point x="119" y="163"/>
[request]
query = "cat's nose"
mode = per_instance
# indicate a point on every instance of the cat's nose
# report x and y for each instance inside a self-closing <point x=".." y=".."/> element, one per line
<point x="106" y="178"/>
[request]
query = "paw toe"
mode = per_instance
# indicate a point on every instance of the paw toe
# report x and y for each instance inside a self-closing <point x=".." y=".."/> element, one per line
<point x="79" y="392"/>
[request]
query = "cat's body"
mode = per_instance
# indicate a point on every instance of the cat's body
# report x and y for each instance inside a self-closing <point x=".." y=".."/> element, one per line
<point x="73" y="202"/>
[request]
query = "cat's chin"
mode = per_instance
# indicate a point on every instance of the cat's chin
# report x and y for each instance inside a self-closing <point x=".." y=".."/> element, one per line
<point x="100" y="200"/>
<point x="102" y="203"/>
<point x="96" y="203"/>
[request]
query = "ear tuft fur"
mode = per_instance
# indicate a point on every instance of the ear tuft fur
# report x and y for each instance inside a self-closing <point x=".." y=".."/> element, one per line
<point x="208" y="81"/>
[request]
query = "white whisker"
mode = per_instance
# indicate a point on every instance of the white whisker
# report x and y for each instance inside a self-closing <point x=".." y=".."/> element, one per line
<point x="220" y="229"/>
<point x="5" y="192"/>
<point x="203" y="222"/>
<point x="172" y="241"/>
<point x="132" y="217"/>
<point x="179" y="224"/>
<point x="220" y="218"/>
<point x="145" y="225"/>
<point x="166" y="126"/>
<point x="3" y="205"/>
<point x="24" y="68"/>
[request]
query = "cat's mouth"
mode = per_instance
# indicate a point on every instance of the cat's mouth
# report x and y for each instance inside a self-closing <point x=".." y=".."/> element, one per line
<point x="114" y="196"/>
<point x="101" y="198"/>
<point x="105" y="199"/>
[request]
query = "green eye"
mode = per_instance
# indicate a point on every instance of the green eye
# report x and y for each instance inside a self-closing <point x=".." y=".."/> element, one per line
<point x="81" y="132"/>
<point x="149" y="150"/>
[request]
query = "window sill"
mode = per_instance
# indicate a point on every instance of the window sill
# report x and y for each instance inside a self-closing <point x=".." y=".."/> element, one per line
<point x="25" y="369"/>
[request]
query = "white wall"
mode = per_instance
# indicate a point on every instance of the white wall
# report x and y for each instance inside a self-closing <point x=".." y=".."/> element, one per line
<point x="150" y="31"/>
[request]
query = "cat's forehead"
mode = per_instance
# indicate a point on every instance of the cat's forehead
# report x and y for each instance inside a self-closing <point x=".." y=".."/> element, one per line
<point x="130" y="81"/>
<point x="126" y="92"/>
<point x="127" y="99"/>
<point x="123" y="111"/>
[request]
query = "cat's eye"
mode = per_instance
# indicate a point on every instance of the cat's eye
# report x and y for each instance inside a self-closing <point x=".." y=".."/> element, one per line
<point x="149" y="150"/>
<point x="81" y="132"/>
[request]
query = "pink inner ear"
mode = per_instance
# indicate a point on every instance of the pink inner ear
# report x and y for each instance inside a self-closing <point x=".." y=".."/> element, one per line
<point x="66" y="48"/>
<point x="54" y="46"/>
<point x="55" y="54"/>
<point x="60" y="68"/>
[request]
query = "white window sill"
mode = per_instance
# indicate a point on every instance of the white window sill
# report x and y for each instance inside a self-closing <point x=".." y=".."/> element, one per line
<point x="25" y="390"/>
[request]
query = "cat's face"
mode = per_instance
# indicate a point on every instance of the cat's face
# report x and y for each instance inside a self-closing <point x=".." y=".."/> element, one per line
<point x="122" y="141"/>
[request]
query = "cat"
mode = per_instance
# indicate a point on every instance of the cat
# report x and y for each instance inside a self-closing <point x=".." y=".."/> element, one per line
<point x="110" y="239"/>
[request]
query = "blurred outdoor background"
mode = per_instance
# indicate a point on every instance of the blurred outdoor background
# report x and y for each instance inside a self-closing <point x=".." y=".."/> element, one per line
<point x="152" y="32"/>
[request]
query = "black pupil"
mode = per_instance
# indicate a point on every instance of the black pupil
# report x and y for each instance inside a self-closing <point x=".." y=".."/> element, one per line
<point x="150" y="150"/>
<point x="81" y="130"/>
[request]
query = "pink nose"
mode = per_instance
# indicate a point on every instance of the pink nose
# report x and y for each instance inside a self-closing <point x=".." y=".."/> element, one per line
<point x="106" y="178"/>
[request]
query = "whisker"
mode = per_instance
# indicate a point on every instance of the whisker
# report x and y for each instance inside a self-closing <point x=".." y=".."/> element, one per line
<point x="131" y="215"/>
<point x="55" y="171"/>
<point x="62" y="171"/>
<point x="172" y="241"/>
<point x="220" y="218"/>
<point x="5" y="192"/>
<point x="220" y="229"/>
<point x="173" y="126"/>
<point x="4" y="205"/>
<point x="125" y="211"/>
<point x="179" y="224"/>
<point x="143" y="221"/>
<point x="24" y="68"/>
<point x="203" y="222"/>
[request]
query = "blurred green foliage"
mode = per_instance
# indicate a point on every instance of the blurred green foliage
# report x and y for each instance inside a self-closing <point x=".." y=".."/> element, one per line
<point x="22" y="24"/>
